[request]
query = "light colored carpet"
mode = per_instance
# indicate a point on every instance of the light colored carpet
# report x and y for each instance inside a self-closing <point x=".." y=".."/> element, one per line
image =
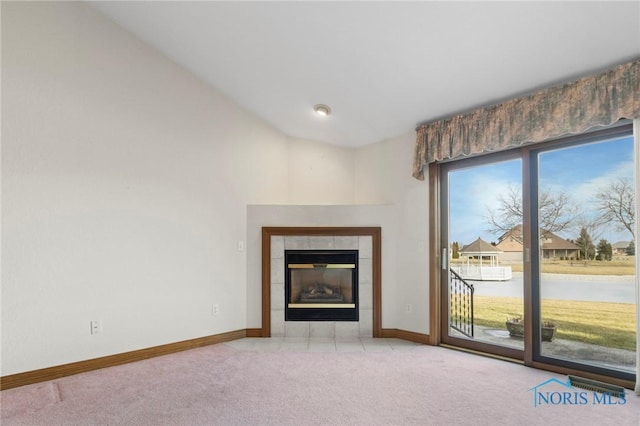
<point x="220" y="385"/>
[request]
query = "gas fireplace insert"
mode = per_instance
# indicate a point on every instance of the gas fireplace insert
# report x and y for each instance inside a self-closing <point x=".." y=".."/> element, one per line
<point x="321" y="285"/>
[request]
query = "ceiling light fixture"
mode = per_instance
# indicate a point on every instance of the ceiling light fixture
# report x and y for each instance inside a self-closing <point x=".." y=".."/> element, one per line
<point x="322" y="110"/>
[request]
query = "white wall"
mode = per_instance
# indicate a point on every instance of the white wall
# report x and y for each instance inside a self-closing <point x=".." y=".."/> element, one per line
<point x="320" y="174"/>
<point x="383" y="175"/>
<point x="125" y="186"/>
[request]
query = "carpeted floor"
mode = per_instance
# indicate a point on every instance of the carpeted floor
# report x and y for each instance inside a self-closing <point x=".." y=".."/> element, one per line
<point x="222" y="385"/>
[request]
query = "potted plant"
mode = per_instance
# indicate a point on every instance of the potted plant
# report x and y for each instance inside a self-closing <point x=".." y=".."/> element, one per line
<point x="515" y="326"/>
<point x="548" y="331"/>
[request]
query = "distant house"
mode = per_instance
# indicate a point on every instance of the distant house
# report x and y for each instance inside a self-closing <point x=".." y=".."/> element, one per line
<point x="552" y="246"/>
<point x="620" y="248"/>
<point x="511" y="245"/>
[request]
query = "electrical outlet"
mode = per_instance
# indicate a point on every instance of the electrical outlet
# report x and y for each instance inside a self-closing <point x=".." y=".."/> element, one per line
<point x="96" y="326"/>
<point x="215" y="309"/>
<point x="409" y="308"/>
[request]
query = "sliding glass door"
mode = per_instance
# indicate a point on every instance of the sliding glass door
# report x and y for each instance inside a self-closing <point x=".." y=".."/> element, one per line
<point x="585" y="246"/>
<point x="482" y="272"/>
<point x="538" y="253"/>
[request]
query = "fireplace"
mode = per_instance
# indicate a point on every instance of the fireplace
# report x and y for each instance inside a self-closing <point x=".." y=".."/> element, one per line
<point x="321" y="285"/>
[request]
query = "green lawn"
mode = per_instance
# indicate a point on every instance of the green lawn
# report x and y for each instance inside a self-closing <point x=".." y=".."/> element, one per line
<point x="605" y="324"/>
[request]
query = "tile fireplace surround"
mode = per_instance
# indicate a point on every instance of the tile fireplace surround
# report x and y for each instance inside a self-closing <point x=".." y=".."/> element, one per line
<point x="321" y="329"/>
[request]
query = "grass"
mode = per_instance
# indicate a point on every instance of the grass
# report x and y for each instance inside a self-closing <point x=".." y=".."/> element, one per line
<point x="591" y="267"/>
<point x="610" y="325"/>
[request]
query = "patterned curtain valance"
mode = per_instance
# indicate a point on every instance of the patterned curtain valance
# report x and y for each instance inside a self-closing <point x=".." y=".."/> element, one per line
<point x="571" y="108"/>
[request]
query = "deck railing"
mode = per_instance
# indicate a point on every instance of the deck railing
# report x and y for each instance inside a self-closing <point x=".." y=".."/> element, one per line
<point x="461" y="304"/>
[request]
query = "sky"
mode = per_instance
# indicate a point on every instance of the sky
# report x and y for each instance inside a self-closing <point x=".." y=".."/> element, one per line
<point x="579" y="171"/>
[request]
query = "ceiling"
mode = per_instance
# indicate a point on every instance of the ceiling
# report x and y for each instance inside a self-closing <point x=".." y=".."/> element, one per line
<point x="382" y="67"/>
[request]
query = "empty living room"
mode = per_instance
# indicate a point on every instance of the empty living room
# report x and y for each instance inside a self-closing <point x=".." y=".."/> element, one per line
<point x="322" y="213"/>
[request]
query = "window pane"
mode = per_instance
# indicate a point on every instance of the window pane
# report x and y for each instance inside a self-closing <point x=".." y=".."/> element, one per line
<point x="485" y="252"/>
<point x="587" y="255"/>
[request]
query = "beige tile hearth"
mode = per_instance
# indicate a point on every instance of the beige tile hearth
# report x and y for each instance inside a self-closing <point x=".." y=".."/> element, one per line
<point x="347" y="330"/>
<point x="323" y="329"/>
<point x="297" y="329"/>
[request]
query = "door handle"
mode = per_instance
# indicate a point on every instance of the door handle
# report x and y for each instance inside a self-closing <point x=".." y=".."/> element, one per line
<point x="445" y="259"/>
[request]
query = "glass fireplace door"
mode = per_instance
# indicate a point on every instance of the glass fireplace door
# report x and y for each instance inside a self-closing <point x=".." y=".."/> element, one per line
<point x="321" y="285"/>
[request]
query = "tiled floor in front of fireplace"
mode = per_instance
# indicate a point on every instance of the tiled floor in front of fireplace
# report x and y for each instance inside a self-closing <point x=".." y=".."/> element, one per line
<point x="302" y="344"/>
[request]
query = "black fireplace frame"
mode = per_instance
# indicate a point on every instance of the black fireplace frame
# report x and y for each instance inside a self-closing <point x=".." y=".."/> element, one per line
<point x="321" y="257"/>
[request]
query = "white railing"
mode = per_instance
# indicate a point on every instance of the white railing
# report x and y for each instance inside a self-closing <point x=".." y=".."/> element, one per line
<point x="484" y="273"/>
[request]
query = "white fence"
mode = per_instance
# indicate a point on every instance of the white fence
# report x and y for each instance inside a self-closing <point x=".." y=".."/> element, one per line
<point x="483" y="273"/>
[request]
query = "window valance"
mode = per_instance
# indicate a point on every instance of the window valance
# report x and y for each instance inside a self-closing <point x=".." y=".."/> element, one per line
<point x="571" y="108"/>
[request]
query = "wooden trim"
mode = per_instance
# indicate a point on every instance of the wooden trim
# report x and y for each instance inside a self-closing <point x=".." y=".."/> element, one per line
<point x="58" y="371"/>
<point x="376" y="253"/>
<point x="266" y="282"/>
<point x="254" y="332"/>
<point x="411" y="336"/>
<point x="376" y="249"/>
<point x="343" y="231"/>
<point x="434" y="249"/>
<point x="388" y="333"/>
<point x="482" y="353"/>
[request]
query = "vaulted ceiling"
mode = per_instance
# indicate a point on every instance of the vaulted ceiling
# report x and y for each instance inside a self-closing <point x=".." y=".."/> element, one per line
<point x="382" y="67"/>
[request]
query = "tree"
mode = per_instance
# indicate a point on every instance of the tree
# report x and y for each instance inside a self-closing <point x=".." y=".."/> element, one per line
<point x="585" y="243"/>
<point x="455" y="250"/>
<point x="616" y="204"/>
<point x="631" y="249"/>
<point x="508" y="214"/>
<point x="605" y="251"/>
<point x="592" y="225"/>
<point x="556" y="211"/>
